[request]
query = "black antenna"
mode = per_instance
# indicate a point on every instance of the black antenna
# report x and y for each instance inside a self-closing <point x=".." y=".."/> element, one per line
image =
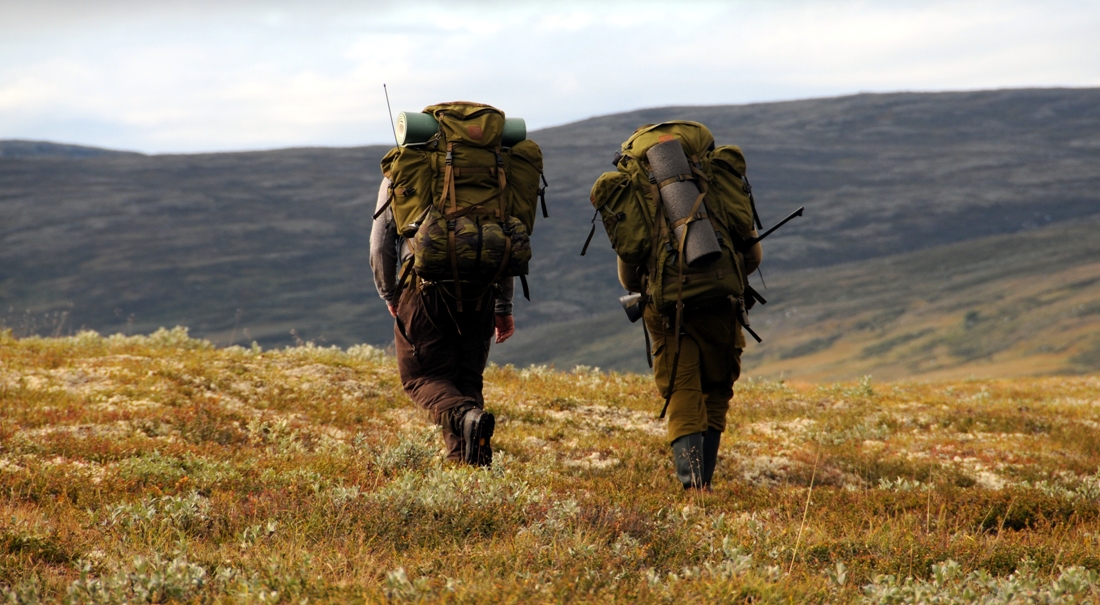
<point x="392" y="127"/>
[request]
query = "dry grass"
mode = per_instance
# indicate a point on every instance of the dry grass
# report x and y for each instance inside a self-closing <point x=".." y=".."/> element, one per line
<point x="159" y="468"/>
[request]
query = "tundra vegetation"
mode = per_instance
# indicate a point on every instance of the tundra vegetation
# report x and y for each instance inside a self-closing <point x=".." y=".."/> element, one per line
<point x="153" y="469"/>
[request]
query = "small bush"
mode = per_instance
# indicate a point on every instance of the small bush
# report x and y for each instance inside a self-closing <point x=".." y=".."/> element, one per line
<point x="950" y="586"/>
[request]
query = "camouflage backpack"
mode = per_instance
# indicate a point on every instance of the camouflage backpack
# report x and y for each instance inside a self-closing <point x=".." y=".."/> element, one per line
<point x="465" y="201"/>
<point x="629" y="203"/>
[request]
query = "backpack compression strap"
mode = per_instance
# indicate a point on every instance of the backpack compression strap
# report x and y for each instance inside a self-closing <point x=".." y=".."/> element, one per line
<point x="453" y="213"/>
<point x="449" y="194"/>
<point x="502" y="182"/>
<point x="692" y="216"/>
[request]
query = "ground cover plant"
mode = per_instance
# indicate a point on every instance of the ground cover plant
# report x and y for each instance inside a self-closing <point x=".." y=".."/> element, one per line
<point x="153" y="469"/>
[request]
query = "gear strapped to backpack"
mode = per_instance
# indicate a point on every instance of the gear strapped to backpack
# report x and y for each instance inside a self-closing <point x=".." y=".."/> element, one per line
<point x="465" y="195"/>
<point x="643" y="232"/>
<point x="683" y="210"/>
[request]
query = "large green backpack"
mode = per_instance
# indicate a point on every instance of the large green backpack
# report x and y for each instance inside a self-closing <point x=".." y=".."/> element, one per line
<point x="465" y="202"/>
<point x="628" y="201"/>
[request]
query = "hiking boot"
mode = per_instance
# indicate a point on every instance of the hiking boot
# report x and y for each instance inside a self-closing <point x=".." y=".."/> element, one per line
<point x="477" y="428"/>
<point x="452" y="419"/>
<point x="687" y="453"/>
<point x="711" y="440"/>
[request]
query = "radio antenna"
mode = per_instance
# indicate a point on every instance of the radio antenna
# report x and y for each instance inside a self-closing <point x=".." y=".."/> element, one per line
<point x="390" y="111"/>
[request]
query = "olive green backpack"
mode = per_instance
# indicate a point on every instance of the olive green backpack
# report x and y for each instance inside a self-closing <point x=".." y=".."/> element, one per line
<point x="628" y="201"/>
<point x="465" y="202"/>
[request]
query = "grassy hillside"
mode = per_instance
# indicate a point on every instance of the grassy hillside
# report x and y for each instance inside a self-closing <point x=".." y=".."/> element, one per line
<point x="250" y="246"/>
<point x="161" y="469"/>
<point x="240" y="247"/>
<point x="1008" y="305"/>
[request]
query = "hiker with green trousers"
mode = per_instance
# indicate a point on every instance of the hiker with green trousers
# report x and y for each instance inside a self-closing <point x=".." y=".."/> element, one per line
<point x="709" y="365"/>
<point x="680" y="214"/>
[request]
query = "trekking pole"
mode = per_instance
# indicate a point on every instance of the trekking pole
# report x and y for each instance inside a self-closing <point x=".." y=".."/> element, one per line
<point x="672" y="375"/>
<point x="752" y="241"/>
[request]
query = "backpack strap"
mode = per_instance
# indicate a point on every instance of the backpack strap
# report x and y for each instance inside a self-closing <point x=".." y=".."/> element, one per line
<point x="741" y="315"/>
<point x="644" y="278"/>
<point x="526" y="288"/>
<point x="658" y="233"/>
<point x="452" y="246"/>
<point x="703" y="181"/>
<point x="501" y="213"/>
<point x="542" y="195"/>
<point x="389" y="200"/>
<point x="661" y="232"/>
<point x="591" y="232"/>
<point x="692" y="216"/>
<point x="648" y="346"/>
<point x="502" y="179"/>
<point x="403" y="281"/>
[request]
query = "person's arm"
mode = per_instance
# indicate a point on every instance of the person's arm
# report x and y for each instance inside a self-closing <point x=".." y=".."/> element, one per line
<point x="502" y="309"/>
<point x="628" y="276"/>
<point x="384" y="244"/>
<point x="753" y="257"/>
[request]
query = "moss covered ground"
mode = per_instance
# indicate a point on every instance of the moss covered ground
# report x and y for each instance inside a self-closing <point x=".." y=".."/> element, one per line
<point x="153" y="469"/>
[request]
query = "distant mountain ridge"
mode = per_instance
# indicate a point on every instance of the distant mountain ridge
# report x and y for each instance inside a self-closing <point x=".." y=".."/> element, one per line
<point x="250" y="246"/>
<point x="15" y="148"/>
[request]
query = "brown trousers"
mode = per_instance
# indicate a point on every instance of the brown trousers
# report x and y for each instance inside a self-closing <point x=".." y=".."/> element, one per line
<point x="709" y="364"/>
<point x="441" y="353"/>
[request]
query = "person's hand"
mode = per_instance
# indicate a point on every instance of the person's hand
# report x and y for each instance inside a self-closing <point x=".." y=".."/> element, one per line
<point x="506" y="327"/>
<point x="393" y="310"/>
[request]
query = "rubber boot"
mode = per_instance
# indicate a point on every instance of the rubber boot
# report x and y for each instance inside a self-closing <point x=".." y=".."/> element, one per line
<point x="687" y="453"/>
<point x="711" y="440"/>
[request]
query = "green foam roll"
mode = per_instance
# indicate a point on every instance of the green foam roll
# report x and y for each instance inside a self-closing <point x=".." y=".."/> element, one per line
<point x="415" y="128"/>
<point x="515" y="130"/>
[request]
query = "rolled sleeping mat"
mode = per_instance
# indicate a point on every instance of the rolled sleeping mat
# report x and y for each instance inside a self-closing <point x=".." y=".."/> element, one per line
<point x="415" y="128"/>
<point x="515" y="130"/>
<point x="667" y="160"/>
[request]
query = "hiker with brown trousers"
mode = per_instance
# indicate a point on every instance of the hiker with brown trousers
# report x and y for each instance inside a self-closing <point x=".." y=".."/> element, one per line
<point x="681" y="217"/>
<point x="452" y="230"/>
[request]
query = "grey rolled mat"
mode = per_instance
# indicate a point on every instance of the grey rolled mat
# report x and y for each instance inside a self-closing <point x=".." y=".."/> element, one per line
<point x="668" y="160"/>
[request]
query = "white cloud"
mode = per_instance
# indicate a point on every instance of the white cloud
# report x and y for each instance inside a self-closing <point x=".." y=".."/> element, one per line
<point x="203" y="76"/>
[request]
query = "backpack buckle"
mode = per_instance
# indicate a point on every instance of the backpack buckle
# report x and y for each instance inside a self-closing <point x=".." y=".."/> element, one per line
<point x="450" y="156"/>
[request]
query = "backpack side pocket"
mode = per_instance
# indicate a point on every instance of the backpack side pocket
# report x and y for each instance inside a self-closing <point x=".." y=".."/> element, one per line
<point x="622" y="211"/>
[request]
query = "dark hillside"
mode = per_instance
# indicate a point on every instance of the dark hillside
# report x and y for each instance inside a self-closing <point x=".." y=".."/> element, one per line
<point x="11" y="149"/>
<point x="223" y="243"/>
<point x="1017" y="304"/>
<point x="276" y="241"/>
<point x="878" y="174"/>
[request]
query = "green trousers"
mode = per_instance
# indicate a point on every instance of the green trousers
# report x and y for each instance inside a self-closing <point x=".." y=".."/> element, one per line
<point x="709" y="364"/>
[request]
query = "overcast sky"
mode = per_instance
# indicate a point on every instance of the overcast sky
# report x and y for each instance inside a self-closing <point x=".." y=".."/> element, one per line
<point x="222" y="75"/>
